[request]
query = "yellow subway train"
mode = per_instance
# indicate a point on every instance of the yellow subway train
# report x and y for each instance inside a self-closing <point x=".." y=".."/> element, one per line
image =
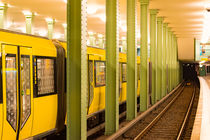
<point x="33" y="85"/>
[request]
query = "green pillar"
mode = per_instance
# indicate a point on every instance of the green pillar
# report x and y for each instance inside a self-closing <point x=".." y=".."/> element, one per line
<point x="112" y="68"/>
<point x="131" y="61"/>
<point x="29" y="16"/>
<point x="50" y="24"/>
<point x="173" y="61"/>
<point x="169" y="58"/>
<point x="159" y="56"/>
<point x="153" y="50"/>
<point x="144" y="55"/>
<point x="76" y="70"/>
<point x="65" y="31"/>
<point x="164" y="90"/>
<point x="3" y="15"/>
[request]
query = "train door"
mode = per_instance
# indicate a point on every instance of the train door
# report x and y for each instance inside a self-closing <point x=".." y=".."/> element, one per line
<point x="1" y="96"/>
<point x="17" y="92"/>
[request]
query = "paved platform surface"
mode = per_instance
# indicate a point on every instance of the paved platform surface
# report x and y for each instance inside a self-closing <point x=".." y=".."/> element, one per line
<point x="201" y="128"/>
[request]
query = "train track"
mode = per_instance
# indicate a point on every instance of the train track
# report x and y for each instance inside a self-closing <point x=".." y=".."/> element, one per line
<point x="145" y="128"/>
<point x="171" y="122"/>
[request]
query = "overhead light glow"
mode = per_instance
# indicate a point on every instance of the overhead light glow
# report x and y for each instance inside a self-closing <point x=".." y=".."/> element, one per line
<point x="64" y="25"/>
<point x="49" y="19"/>
<point x="42" y="32"/>
<point x="2" y="4"/>
<point x="206" y="27"/>
<point x="27" y="13"/>
<point x="56" y="35"/>
<point x="92" y="9"/>
<point x="65" y="1"/>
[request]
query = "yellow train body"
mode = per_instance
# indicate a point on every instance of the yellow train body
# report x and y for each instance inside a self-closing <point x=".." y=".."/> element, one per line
<point x="42" y="110"/>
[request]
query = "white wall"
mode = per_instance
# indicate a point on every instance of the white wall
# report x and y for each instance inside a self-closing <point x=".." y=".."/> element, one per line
<point x="186" y="49"/>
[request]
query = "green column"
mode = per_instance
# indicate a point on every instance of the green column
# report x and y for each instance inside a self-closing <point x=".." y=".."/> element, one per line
<point x="164" y="91"/>
<point x="112" y="67"/>
<point x="169" y="58"/>
<point x="50" y="24"/>
<point x="153" y="50"/>
<point x="144" y="55"/>
<point x="3" y="15"/>
<point x="131" y="103"/>
<point x="159" y="56"/>
<point x="76" y="70"/>
<point x="29" y="16"/>
<point x="173" y="61"/>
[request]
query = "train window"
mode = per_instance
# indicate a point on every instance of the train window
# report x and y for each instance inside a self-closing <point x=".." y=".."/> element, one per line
<point x="11" y="89"/>
<point x="1" y="92"/>
<point x="124" y="70"/>
<point x="44" y="77"/>
<point x="100" y="73"/>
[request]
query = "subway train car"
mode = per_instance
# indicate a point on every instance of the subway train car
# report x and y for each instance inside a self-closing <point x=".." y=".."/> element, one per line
<point x="33" y="85"/>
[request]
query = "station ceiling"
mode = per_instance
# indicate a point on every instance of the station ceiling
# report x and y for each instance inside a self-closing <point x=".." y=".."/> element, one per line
<point x="185" y="17"/>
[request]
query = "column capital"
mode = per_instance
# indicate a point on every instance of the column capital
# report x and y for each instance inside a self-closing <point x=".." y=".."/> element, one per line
<point x="165" y="25"/>
<point x="3" y="6"/>
<point x="144" y="2"/>
<point x="153" y="11"/>
<point x="160" y="19"/>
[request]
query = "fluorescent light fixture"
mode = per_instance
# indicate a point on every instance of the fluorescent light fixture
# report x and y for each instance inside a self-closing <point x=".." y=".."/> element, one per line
<point x="27" y="13"/>
<point x="100" y="36"/>
<point x="64" y="25"/>
<point x="49" y="19"/>
<point x="42" y="32"/>
<point x="90" y="33"/>
<point x="56" y="35"/>
<point x="2" y="4"/>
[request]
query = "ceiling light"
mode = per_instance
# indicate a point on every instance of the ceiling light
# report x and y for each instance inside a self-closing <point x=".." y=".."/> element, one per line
<point x="56" y="35"/>
<point x="2" y="4"/>
<point x="42" y="32"/>
<point x="92" y="9"/>
<point x="100" y="36"/>
<point x="64" y="25"/>
<point x="65" y="1"/>
<point x="27" y="13"/>
<point x="50" y="20"/>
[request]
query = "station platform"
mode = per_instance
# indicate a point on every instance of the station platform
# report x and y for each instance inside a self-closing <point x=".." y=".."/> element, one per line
<point x="202" y="121"/>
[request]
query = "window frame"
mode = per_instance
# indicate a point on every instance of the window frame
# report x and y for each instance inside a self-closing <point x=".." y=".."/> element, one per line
<point x="95" y="73"/>
<point x="1" y="90"/>
<point x="124" y="63"/>
<point x="35" y="76"/>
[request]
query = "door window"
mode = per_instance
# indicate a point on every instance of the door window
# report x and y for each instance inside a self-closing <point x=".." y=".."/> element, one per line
<point x="26" y="88"/>
<point x="11" y="90"/>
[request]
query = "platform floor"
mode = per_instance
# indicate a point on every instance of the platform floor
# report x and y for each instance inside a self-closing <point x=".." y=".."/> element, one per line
<point x="201" y="128"/>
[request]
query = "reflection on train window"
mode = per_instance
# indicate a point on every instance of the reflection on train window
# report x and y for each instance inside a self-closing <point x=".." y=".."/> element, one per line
<point x="11" y="90"/>
<point x="138" y="71"/>
<point x="99" y="73"/>
<point x="1" y="93"/>
<point x="124" y="69"/>
<point x="26" y="88"/>
<point x="45" y="76"/>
